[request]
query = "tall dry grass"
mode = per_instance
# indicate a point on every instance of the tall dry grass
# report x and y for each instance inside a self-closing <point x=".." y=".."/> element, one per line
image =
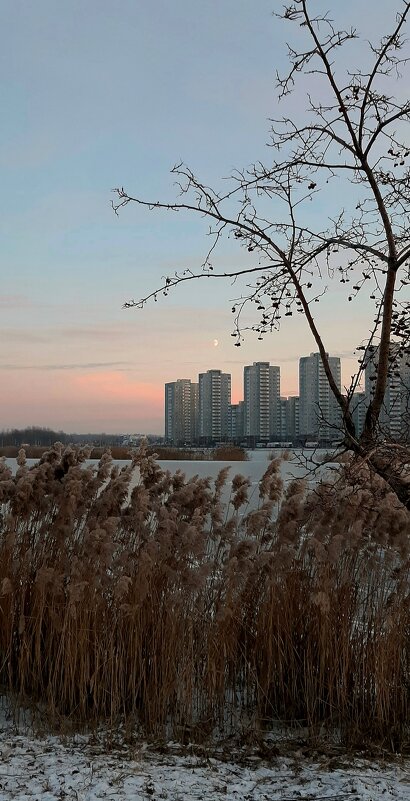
<point x="161" y="605"/>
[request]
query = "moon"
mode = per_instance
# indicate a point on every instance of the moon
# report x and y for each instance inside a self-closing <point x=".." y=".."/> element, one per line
<point x="216" y="343"/>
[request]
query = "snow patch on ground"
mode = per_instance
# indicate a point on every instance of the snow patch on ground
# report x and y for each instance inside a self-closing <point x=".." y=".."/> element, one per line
<point x="52" y="769"/>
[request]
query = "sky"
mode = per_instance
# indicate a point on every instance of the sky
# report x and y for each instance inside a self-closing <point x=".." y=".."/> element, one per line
<point x="102" y="94"/>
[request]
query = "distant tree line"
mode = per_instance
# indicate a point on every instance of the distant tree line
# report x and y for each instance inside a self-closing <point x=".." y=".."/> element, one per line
<point x="38" y="436"/>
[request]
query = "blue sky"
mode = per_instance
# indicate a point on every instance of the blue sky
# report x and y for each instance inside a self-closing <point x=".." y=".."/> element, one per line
<point x="98" y="94"/>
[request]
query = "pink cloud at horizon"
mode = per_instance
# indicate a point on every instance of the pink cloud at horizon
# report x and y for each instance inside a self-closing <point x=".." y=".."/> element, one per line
<point x="105" y="401"/>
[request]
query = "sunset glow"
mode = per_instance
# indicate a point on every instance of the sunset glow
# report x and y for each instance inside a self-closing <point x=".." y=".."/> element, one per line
<point x="71" y="357"/>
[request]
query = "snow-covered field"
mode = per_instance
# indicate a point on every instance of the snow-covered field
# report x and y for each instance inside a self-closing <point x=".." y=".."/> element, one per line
<point x="52" y="769"/>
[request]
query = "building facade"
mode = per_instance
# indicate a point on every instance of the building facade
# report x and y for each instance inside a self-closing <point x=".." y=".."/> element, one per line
<point x="236" y="422"/>
<point x="214" y="403"/>
<point x="292" y="421"/>
<point x="394" y="420"/>
<point x="319" y="412"/>
<point x="289" y="419"/>
<point x="181" y="412"/>
<point x="262" y="411"/>
<point x="358" y="407"/>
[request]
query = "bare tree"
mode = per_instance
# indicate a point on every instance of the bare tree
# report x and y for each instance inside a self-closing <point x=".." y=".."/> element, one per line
<point x="356" y="134"/>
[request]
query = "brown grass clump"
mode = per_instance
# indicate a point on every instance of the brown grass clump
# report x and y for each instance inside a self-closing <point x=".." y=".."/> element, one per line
<point x="133" y="592"/>
<point x="229" y="453"/>
<point x="31" y="451"/>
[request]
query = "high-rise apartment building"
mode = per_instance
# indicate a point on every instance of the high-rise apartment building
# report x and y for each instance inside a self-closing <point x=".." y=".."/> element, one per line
<point x="289" y="423"/>
<point x="214" y="403"/>
<point x="358" y="407"/>
<point x="262" y="412"/>
<point x="319" y="412"/>
<point x="405" y="398"/>
<point x="283" y="407"/>
<point x="292" y="428"/>
<point x="394" y="415"/>
<point x="236" y="422"/>
<point x="181" y="412"/>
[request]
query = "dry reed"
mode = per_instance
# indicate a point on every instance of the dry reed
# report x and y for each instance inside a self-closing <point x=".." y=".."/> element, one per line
<point x="136" y="593"/>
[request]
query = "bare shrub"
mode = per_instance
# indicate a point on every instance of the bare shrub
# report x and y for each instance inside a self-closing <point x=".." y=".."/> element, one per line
<point x="229" y="453"/>
<point x="152" y="601"/>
